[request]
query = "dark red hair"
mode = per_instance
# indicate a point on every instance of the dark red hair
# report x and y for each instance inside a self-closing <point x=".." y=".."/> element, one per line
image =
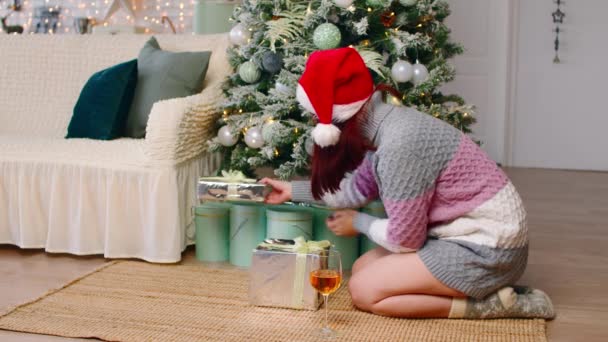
<point x="330" y="164"/>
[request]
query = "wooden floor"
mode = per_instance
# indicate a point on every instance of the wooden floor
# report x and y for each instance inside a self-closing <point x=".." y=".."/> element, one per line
<point x="568" y="221"/>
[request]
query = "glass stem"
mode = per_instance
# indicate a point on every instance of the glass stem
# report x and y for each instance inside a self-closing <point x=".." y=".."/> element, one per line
<point x="325" y="298"/>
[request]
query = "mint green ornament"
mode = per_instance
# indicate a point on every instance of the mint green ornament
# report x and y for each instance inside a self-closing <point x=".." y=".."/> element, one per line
<point x="249" y="72"/>
<point x="408" y="3"/>
<point x="327" y="36"/>
<point x="375" y="3"/>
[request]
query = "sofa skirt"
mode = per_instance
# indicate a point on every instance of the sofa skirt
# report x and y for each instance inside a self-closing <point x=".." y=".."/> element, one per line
<point x="120" y="213"/>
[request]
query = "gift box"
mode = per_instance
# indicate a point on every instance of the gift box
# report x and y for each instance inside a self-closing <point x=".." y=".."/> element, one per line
<point x="279" y="274"/>
<point x="212" y="231"/>
<point x="247" y="230"/>
<point x="232" y="186"/>
<point x="289" y="223"/>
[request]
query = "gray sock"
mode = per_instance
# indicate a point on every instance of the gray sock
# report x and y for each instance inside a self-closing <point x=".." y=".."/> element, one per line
<point x="508" y="302"/>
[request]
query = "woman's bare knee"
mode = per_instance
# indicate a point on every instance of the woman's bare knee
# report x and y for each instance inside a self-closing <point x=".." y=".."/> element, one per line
<point x="368" y="258"/>
<point x="361" y="293"/>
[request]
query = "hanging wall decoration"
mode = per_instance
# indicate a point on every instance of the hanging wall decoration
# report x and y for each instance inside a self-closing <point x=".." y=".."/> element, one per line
<point x="558" y="19"/>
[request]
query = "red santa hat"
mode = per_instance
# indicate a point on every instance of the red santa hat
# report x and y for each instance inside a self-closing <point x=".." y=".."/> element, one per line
<point x="334" y="86"/>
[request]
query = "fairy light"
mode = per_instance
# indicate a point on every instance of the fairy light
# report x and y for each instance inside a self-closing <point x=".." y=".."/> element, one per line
<point x="153" y="10"/>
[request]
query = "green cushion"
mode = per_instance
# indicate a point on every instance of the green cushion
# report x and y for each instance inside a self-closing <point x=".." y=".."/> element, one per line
<point x="163" y="75"/>
<point x="104" y="102"/>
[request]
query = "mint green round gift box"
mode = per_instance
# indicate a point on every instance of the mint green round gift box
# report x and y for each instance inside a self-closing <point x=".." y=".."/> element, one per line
<point x="212" y="232"/>
<point x="288" y="223"/>
<point x="347" y="246"/>
<point x="375" y="208"/>
<point x="247" y="230"/>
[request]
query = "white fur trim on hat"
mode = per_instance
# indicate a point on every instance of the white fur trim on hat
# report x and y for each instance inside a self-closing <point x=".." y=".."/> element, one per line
<point x="344" y="112"/>
<point x="325" y="134"/>
<point x="302" y="97"/>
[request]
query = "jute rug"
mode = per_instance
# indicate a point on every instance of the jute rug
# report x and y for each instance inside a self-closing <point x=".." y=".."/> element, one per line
<point x="137" y="301"/>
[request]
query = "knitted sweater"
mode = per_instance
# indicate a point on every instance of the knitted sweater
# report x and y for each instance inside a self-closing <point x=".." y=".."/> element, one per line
<point x="433" y="181"/>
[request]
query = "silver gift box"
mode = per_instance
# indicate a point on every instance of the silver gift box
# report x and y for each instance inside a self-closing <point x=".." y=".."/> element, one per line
<point x="214" y="190"/>
<point x="281" y="279"/>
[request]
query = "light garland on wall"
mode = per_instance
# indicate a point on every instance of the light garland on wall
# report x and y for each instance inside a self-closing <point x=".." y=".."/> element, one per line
<point x="149" y="14"/>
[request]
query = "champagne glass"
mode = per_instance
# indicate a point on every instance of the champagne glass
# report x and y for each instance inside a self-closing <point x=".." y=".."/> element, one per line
<point x="326" y="277"/>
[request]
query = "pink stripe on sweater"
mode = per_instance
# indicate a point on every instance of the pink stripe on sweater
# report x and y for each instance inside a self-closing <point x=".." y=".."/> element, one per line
<point x="470" y="179"/>
<point x="365" y="181"/>
<point x="408" y="220"/>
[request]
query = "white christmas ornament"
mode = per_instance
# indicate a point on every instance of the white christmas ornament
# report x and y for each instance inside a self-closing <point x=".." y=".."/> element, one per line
<point x="253" y="138"/>
<point x="407" y="3"/>
<point x="421" y="73"/>
<point x="309" y="146"/>
<point x="402" y="71"/>
<point x="226" y="137"/>
<point x="283" y="89"/>
<point x="239" y="34"/>
<point x="343" y="3"/>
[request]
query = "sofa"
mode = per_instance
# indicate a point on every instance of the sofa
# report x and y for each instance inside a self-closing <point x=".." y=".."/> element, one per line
<point x="123" y="198"/>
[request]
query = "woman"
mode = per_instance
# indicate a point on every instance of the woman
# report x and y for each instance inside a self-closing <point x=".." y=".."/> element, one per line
<point x="455" y="240"/>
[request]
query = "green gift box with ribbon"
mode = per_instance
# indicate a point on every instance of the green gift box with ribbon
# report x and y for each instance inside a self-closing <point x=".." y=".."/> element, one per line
<point x="232" y="186"/>
<point x="279" y="274"/>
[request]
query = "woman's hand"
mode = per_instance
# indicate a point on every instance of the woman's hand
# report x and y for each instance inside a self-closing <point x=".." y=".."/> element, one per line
<point x="341" y="223"/>
<point x="281" y="191"/>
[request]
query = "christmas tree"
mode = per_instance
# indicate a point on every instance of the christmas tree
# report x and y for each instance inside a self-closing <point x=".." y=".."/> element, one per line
<point x="404" y="43"/>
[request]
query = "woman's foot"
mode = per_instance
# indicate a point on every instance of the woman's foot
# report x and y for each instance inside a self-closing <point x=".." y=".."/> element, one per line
<point x="508" y="302"/>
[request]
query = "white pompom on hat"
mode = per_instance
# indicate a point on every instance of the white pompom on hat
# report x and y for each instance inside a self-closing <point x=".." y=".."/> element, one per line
<point x="334" y="86"/>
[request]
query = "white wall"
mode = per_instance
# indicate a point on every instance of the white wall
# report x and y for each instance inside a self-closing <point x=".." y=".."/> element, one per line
<point x="482" y="71"/>
<point x="560" y="119"/>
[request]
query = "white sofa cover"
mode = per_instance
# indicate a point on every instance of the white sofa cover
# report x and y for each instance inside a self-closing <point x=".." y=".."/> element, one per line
<point x="126" y="198"/>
